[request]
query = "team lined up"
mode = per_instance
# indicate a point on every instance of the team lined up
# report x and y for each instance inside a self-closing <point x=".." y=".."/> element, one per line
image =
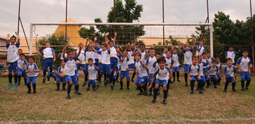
<point x="106" y="59"/>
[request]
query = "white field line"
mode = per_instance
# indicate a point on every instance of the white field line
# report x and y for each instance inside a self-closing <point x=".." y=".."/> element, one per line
<point x="125" y="121"/>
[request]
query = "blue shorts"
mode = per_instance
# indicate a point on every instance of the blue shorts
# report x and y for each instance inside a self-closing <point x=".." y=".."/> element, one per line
<point x="194" y="77"/>
<point x="31" y="79"/>
<point x="131" y="66"/>
<point x="96" y="62"/>
<point x="105" y="68"/>
<point x="71" y="78"/>
<point x="22" y="73"/>
<point x="53" y="74"/>
<point x="219" y="76"/>
<point x="59" y="79"/>
<point x="202" y="78"/>
<point x="141" y="80"/>
<point x="114" y="63"/>
<point x="230" y="79"/>
<point x="164" y="82"/>
<point x="186" y="68"/>
<point x="13" y="66"/>
<point x="124" y="73"/>
<point x="150" y="78"/>
<point x="48" y="62"/>
<point x="245" y="76"/>
<point x="76" y="74"/>
<point x="206" y="77"/>
<point x="93" y="82"/>
<point x="213" y="78"/>
<point x="81" y="66"/>
<point x="175" y="69"/>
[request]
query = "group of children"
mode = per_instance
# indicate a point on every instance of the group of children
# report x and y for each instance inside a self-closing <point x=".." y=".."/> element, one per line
<point x="152" y="69"/>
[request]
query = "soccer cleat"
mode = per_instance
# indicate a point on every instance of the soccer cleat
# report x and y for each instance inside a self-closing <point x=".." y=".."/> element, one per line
<point x="225" y="91"/>
<point x="18" y="83"/>
<point x="128" y="88"/>
<point x="84" y="84"/>
<point x="158" y="93"/>
<point x="77" y="92"/>
<point x="178" y="80"/>
<point x="146" y="93"/>
<point x="121" y="88"/>
<point x="201" y="92"/>
<point x="132" y="80"/>
<point x="203" y="89"/>
<point x="64" y="89"/>
<point x="243" y="89"/>
<point x="15" y="87"/>
<point x="154" y="101"/>
<point x="28" y="92"/>
<point x="48" y="81"/>
<point x="234" y="90"/>
<point x="192" y="92"/>
<point x="68" y="96"/>
<point x="164" y="102"/>
<point x="97" y="86"/>
<point x="43" y="81"/>
<point x="117" y="81"/>
<point x="112" y="87"/>
<point x="141" y="93"/>
<point x="94" y="90"/>
<point x="186" y="85"/>
<point x="34" y="92"/>
<point x="9" y="86"/>
<point x="87" y="89"/>
<point x="150" y="94"/>
<point x="246" y="88"/>
<point x="197" y="89"/>
<point x="215" y="87"/>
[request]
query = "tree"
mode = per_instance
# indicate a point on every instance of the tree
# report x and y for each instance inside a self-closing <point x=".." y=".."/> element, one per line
<point x="53" y="40"/>
<point x="128" y="13"/>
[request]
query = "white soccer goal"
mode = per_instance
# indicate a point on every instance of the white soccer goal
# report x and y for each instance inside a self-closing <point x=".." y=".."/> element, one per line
<point x="127" y="32"/>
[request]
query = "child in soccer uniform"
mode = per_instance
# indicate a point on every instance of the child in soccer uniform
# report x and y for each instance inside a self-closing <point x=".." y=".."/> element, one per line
<point x="48" y="59"/>
<point x="161" y="76"/>
<point x="205" y="67"/>
<point x="60" y="55"/>
<point x="219" y="65"/>
<point x="209" y="58"/>
<point x="69" y="70"/>
<point x="229" y="75"/>
<point x="202" y="71"/>
<point x="105" y="65"/>
<point x="164" y="52"/>
<point x="212" y="72"/>
<point x="142" y="74"/>
<point x="231" y="54"/>
<point x="176" y="63"/>
<point x="244" y="65"/>
<point x="22" y="64"/>
<point x="81" y="66"/>
<point x="92" y="71"/>
<point x="200" y="49"/>
<point x="131" y="61"/>
<point x="169" y="62"/>
<point x="150" y="62"/>
<point x="194" y="74"/>
<point x="187" y="52"/>
<point x="123" y="70"/>
<point x="32" y="72"/>
<point x="60" y="76"/>
<point x="12" y="58"/>
<point x="53" y="74"/>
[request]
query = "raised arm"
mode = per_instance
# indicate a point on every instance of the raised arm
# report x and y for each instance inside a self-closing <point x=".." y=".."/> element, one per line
<point x="179" y="49"/>
<point x="93" y="48"/>
<point x="80" y="48"/>
<point x="182" y="46"/>
<point x="18" y="42"/>
<point x="133" y="54"/>
<point x="8" y="39"/>
<point x="106" y="35"/>
<point x="64" y="51"/>
<point x="39" y="53"/>
<point x="114" y="40"/>
<point x="172" y="48"/>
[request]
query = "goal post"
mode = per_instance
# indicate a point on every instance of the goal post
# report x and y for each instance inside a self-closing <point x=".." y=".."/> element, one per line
<point x="151" y="31"/>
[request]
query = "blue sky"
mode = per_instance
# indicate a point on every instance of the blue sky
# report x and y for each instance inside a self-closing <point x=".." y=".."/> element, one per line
<point x="176" y="11"/>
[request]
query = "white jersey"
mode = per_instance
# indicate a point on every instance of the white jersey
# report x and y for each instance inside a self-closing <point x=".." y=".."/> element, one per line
<point x="210" y="61"/>
<point x="231" y="55"/>
<point x="143" y="54"/>
<point x="92" y="70"/>
<point x="163" y="55"/>
<point x="201" y="69"/>
<point x="244" y="63"/>
<point x="169" y="61"/>
<point x="113" y="52"/>
<point x="62" y="56"/>
<point x="188" y="57"/>
<point x="97" y="56"/>
<point x="162" y="74"/>
<point x="81" y="56"/>
<point x="70" y="67"/>
<point x="60" y="70"/>
<point x="31" y="68"/>
<point x="124" y="64"/>
<point x="212" y="70"/>
<point x="193" y="70"/>
<point x="105" y="57"/>
<point x="230" y="71"/>
<point x="47" y="53"/>
<point x="21" y="64"/>
<point x="141" y="71"/>
<point x="89" y="54"/>
<point x="205" y="63"/>
<point x="12" y="52"/>
<point x="219" y="67"/>
<point x="155" y="65"/>
<point x="131" y="58"/>
<point x="176" y="58"/>
<point x="201" y="50"/>
<point x="149" y="62"/>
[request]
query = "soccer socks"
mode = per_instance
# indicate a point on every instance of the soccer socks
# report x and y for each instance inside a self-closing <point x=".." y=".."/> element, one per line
<point x="117" y="77"/>
<point x="76" y="88"/>
<point x="242" y="84"/>
<point x="140" y="88"/>
<point x="248" y="83"/>
<point x="58" y="85"/>
<point x="178" y="73"/>
<point x="226" y="85"/>
<point x="133" y="75"/>
<point x="128" y="84"/>
<point x="155" y="93"/>
<point x="48" y="78"/>
<point x="144" y="88"/>
<point x="121" y="84"/>
<point x="165" y="94"/>
<point x="69" y="89"/>
<point x="233" y="86"/>
<point x="15" y="78"/>
<point x="44" y="74"/>
<point x="34" y="87"/>
<point x="186" y="78"/>
<point x="51" y="72"/>
<point x="173" y="76"/>
<point x="192" y="85"/>
<point x="168" y="85"/>
<point x="10" y="78"/>
<point x="19" y="78"/>
<point x="219" y="81"/>
<point x="208" y="83"/>
<point x="86" y="77"/>
<point x="63" y="86"/>
<point x="25" y="81"/>
<point x="29" y="88"/>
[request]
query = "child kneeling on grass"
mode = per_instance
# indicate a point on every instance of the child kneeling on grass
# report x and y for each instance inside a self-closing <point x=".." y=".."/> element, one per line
<point x="229" y="75"/>
<point x="60" y="76"/>
<point x="32" y="72"/>
<point x="161" y="75"/>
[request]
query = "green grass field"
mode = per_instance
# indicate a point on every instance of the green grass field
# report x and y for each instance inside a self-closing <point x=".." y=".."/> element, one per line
<point x="106" y="106"/>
